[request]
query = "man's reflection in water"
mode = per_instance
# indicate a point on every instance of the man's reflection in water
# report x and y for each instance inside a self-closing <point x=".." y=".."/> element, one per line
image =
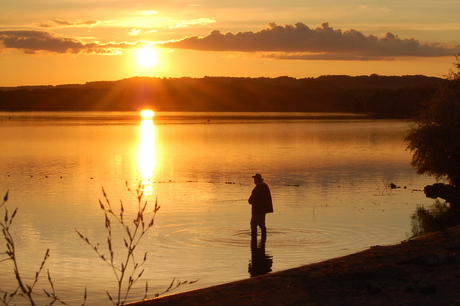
<point x="261" y="263"/>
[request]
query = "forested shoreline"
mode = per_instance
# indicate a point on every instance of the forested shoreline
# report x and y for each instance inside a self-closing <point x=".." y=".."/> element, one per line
<point x="380" y="96"/>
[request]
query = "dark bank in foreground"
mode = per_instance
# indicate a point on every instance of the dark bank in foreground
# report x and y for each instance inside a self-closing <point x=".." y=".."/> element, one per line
<point x="422" y="271"/>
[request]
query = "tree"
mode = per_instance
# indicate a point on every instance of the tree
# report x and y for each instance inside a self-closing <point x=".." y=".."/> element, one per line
<point x="434" y="138"/>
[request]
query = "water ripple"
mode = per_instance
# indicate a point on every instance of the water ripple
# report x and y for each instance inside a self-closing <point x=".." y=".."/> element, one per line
<point x="335" y="237"/>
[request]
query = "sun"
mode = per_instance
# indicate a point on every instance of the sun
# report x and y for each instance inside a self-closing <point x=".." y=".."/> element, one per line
<point x="147" y="57"/>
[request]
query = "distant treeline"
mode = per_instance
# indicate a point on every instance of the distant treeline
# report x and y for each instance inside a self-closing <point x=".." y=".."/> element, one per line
<point x="383" y="96"/>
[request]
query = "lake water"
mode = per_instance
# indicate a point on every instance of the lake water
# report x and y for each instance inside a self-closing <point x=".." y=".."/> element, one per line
<point x="329" y="180"/>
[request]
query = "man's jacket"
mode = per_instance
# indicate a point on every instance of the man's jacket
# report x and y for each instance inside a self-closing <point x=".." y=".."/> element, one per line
<point x="261" y="199"/>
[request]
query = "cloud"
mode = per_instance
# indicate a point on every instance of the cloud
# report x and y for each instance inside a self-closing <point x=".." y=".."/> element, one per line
<point x="34" y="41"/>
<point x="148" y="13"/>
<point x="288" y="42"/>
<point x="67" y="23"/>
<point x="186" y="23"/>
<point x="134" y="32"/>
<point x="301" y="42"/>
<point x="321" y="56"/>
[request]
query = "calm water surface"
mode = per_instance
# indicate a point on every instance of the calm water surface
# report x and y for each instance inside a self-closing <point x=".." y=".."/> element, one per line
<point x="328" y="178"/>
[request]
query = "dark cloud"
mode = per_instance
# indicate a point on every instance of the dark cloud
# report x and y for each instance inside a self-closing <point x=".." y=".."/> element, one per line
<point x="278" y="42"/>
<point x="34" y="41"/>
<point x="67" y="23"/>
<point x="300" y="42"/>
<point x="322" y="56"/>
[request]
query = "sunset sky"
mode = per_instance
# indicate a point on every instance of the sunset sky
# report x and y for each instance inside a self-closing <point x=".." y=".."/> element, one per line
<point x="76" y="41"/>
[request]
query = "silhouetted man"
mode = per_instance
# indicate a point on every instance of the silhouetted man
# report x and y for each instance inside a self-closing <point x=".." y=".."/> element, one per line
<point x="261" y="201"/>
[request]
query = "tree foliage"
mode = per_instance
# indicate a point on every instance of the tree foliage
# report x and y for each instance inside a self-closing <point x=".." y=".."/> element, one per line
<point x="434" y="138"/>
<point x="382" y="96"/>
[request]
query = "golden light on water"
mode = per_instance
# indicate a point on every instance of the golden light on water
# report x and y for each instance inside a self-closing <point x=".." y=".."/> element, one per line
<point x="147" y="155"/>
<point x="147" y="114"/>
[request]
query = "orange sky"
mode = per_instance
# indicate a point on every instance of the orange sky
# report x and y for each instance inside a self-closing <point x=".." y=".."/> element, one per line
<point x="69" y="41"/>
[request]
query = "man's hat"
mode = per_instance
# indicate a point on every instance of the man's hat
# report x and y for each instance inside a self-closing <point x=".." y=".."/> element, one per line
<point x="258" y="176"/>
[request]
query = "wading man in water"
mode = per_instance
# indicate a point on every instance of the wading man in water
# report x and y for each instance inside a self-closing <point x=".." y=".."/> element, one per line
<point x="261" y="201"/>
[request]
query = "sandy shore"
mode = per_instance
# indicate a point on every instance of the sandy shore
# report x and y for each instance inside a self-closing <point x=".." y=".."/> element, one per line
<point x="423" y="271"/>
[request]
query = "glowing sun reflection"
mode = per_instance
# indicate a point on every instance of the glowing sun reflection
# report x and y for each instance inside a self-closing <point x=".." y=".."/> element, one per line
<point x="147" y="155"/>
<point x="147" y="114"/>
